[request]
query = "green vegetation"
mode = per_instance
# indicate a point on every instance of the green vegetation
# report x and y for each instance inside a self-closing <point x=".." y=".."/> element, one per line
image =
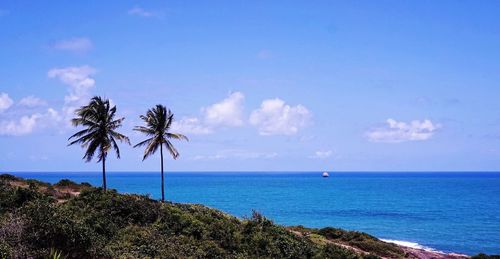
<point x="97" y="224"/>
<point x="158" y="121"/>
<point x="54" y="254"/>
<point x="70" y="220"/>
<point x="99" y="134"/>
<point x="483" y="256"/>
<point x="355" y="239"/>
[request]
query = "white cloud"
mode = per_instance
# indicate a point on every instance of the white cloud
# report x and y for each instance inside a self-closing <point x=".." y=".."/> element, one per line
<point x="236" y="154"/>
<point x="252" y="155"/>
<point x="23" y="126"/>
<point x="32" y="101"/>
<point x="53" y="115"/>
<point x="138" y="11"/>
<point x="78" y="45"/>
<point x="228" y="112"/>
<point x="208" y="157"/>
<point x="28" y="123"/>
<point x="15" y="123"/>
<point x="322" y="154"/>
<point x="79" y="78"/>
<point x="190" y="126"/>
<point x="274" y="117"/>
<point x="396" y="132"/>
<point x="80" y="82"/>
<point x="5" y="102"/>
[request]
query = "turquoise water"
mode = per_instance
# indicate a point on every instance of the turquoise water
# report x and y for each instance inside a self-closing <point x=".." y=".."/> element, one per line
<point x="450" y="212"/>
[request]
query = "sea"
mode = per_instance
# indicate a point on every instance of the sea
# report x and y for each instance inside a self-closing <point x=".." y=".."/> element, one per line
<point x="443" y="211"/>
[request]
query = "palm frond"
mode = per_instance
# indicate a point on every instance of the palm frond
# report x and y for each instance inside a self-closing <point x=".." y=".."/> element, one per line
<point x="89" y="153"/>
<point x="116" y="123"/>
<point x="147" y="141"/>
<point x="150" y="149"/>
<point x="115" y="147"/>
<point x="170" y="119"/>
<point x="85" y="139"/>
<point x="119" y="136"/>
<point x="79" y="133"/>
<point x="103" y="151"/>
<point x="147" y="131"/>
<point x="176" y="136"/>
<point x="173" y="151"/>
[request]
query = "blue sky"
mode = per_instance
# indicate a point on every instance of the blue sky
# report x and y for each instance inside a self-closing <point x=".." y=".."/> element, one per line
<point x="258" y="85"/>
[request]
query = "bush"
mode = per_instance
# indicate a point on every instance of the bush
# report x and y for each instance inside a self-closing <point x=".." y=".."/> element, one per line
<point x="9" y="177"/>
<point x="332" y="233"/>
<point x="362" y="241"/>
<point x="333" y="251"/>
<point x="484" y="256"/>
<point x="66" y="183"/>
<point x="15" y="197"/>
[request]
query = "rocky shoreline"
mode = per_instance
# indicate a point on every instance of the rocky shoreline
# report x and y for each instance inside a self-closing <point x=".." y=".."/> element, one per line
<point x="425" y="254"/>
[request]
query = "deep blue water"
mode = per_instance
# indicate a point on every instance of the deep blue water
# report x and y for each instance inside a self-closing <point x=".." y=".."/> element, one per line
<point x="451" y="212"/>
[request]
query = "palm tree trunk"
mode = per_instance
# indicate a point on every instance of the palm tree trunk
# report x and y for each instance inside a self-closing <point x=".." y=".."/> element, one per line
<point x="104" y="173"/>
<point x="162" y="180"/>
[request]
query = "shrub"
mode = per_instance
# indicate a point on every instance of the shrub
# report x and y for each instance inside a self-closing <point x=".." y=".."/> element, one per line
<point x="66" y="183"/>
<point x="332" y="233"/>
<point x="362" y="241"/>
<point x="484" y="256"/>
<point x="9" y="177"/>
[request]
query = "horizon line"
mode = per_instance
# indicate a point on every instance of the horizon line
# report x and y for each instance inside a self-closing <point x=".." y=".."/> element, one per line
<point x="264" y="171"/>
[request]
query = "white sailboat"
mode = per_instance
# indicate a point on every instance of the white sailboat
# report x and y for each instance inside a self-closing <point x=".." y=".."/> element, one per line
<point x="325" y="174"/>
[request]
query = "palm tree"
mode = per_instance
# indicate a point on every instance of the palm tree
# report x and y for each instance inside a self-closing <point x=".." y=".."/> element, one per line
<point x="98" y="118"/>
<point x="158" y="122"/>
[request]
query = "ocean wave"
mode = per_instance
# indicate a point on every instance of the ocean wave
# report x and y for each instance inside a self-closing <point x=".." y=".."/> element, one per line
<point x="411" y="245"/>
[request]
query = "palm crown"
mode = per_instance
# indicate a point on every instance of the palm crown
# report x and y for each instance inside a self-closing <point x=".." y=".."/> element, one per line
<point x="158" y="122"/>
<point x="99" y="133"/>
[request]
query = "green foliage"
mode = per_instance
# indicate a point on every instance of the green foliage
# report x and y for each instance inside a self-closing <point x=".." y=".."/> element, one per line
<point x="66" y="183"/>
<point x="135" y="242"/>
<point x="99" y="224"/>
<point x="5" y="249"/>
<point x="8" y="177"/>
<point x="264" y="239"/>
<point x="484" y="256"/>
<point x="332" y="233"/>
<point x="15" y="197"/>
<point x="362" y="241"/>
<point x="332" y="251"/>
<point x="55" y="254"/>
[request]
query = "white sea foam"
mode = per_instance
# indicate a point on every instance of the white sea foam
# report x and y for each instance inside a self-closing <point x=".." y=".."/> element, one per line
<point x="411" y="245"/>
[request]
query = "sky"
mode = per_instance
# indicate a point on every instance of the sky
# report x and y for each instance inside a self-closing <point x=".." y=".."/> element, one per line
<point x="257" y="85"/>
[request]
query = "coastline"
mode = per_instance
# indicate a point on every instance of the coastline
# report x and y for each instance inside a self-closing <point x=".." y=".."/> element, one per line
<point x="66" y="190"/>
<point x="410" y="249"/>
<point x="421" y="251"/>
